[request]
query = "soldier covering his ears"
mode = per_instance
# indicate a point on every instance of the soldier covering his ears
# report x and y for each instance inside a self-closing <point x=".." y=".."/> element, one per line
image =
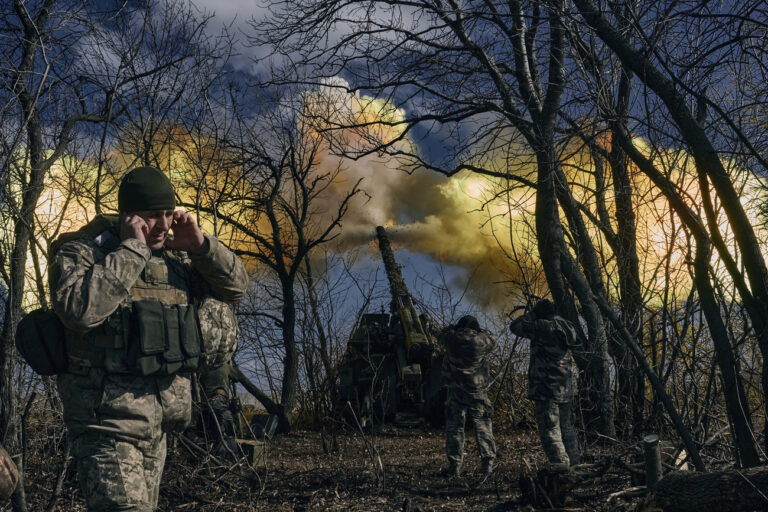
<point x="550" y="384"/>
<point x="465" y="372"/>
<point x="135" y="303"/>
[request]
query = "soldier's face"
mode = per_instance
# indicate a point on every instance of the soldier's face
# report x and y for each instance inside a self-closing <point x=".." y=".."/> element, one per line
<point x="158" y="223"/>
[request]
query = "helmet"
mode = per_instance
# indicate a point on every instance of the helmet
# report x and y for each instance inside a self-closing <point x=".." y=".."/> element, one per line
<point x="544" y="308"/>
<point x="468" y="322"/>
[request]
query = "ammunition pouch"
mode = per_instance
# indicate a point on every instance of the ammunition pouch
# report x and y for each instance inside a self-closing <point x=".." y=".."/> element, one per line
<point x="146" y="337"/>
<point x="40" y="341"/>
<point x="164" y="338"/>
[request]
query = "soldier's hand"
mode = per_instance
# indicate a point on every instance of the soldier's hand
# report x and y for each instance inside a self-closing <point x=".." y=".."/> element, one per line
<point x="186" y="234"/>
<point x="133" y="226"/>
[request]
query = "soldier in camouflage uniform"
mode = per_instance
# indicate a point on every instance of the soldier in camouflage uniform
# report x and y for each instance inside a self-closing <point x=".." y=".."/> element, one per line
<point x="550" y="383"/>
<point x="465" y="373"/>
<point x="127" y="294"/>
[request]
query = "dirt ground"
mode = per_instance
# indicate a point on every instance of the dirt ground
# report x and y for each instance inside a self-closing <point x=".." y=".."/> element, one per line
<point x="300" y="476"/>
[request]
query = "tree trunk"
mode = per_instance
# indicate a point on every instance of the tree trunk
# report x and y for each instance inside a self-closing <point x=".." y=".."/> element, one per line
<point x="593" y="359"/>
<point x="733" y="388"/>
<point x="291" y="362"/>
<point x="598" y="410"/>
<point x="278" y="410"/>
<point x="595" y="382"/>
<point x="631" y="381"/>
<point x="732" y="382"/>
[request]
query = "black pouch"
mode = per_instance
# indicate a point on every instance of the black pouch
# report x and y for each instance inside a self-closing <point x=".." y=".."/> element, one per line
<point x="40" y="341"/>
<point x="149" y="335"/>
<point x="190" y="337"/>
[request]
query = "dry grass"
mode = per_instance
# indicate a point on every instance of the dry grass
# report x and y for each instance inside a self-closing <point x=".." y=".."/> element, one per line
<point x="299" y="475"/>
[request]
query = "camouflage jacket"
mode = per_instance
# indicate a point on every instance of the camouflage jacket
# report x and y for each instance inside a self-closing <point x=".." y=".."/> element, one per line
<point x="92" y="276"/>
<point x="549" y="369"/>
<point x="465" y="370"/>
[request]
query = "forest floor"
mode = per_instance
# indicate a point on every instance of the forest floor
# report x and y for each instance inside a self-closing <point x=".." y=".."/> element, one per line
<point x="299" y="475"/>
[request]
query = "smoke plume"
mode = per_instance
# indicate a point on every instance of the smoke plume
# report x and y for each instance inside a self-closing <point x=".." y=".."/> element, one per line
<point x="455" y="221"/>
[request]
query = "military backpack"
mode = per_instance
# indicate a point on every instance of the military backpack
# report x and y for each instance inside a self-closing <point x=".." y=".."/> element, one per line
<point x="40" y="335"/>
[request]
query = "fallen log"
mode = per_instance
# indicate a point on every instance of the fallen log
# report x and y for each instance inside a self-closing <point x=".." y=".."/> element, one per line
<point x="733" y="490"/>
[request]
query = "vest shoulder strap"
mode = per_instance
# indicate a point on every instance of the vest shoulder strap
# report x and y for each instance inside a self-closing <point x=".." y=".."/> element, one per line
<point x="93" y="229"/>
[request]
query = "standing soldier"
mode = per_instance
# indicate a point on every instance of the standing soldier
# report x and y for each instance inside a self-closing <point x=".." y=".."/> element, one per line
<point x="550" y="384"/>
<point x="465" y="373"/>
<point x="131" y="298"/>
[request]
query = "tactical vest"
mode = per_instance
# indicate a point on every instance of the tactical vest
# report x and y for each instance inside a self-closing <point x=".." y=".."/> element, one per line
<point x="155" y="331"/>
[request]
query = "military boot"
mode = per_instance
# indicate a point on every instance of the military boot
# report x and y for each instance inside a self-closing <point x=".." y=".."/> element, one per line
<point x="559" y="467"/>
<point x="453" y="469"/>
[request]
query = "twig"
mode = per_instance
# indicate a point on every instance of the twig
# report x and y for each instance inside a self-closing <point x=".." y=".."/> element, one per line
<point x="60" y="479"/>
<point x="19" y="496"/>
<point x="378" y="466"/>
<point x="632" y="492"/>
<point x="629" y="467"/>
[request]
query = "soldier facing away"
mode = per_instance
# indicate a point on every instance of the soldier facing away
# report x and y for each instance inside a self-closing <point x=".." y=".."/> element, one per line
<point x="129" y="296"/>
<point x="465" y="373"/>
<point x="550" y="383"/>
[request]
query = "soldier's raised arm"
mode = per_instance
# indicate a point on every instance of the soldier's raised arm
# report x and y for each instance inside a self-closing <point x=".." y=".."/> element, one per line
<point x="88" y="283"/>
<point x="219" y="267"/>
<point x="222" y="270"/>
<point x="566" y="332"/>
<point x="524" y="325"/>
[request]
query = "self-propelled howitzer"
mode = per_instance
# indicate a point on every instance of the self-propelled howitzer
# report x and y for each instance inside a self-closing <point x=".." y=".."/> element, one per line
<point x="391" y="369"/>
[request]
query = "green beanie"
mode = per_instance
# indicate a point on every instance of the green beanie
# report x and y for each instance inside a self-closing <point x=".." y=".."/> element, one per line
<point x="145" y="188"/>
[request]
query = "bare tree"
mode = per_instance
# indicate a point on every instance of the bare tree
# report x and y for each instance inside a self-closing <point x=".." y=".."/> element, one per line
<point x="277" y="211"/>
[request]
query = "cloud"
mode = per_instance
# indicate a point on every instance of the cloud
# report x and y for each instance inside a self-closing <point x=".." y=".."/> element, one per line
<point x="452" y="220"/>
<point x="236" y="16"/>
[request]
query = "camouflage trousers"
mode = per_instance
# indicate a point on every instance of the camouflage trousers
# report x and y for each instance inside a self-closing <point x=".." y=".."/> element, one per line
<point x="456" y="412"/>
<point x="119" y="475"/>
<point x="558" y="435"/>
<point x="118" y="426"/>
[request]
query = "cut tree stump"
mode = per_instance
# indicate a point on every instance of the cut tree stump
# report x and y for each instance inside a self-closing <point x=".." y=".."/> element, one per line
<point x="732" y="490"/>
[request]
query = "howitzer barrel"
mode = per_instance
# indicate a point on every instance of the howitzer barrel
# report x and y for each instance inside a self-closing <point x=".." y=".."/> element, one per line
<point x="402" y="303"/>
<point x="396" y="283"/>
